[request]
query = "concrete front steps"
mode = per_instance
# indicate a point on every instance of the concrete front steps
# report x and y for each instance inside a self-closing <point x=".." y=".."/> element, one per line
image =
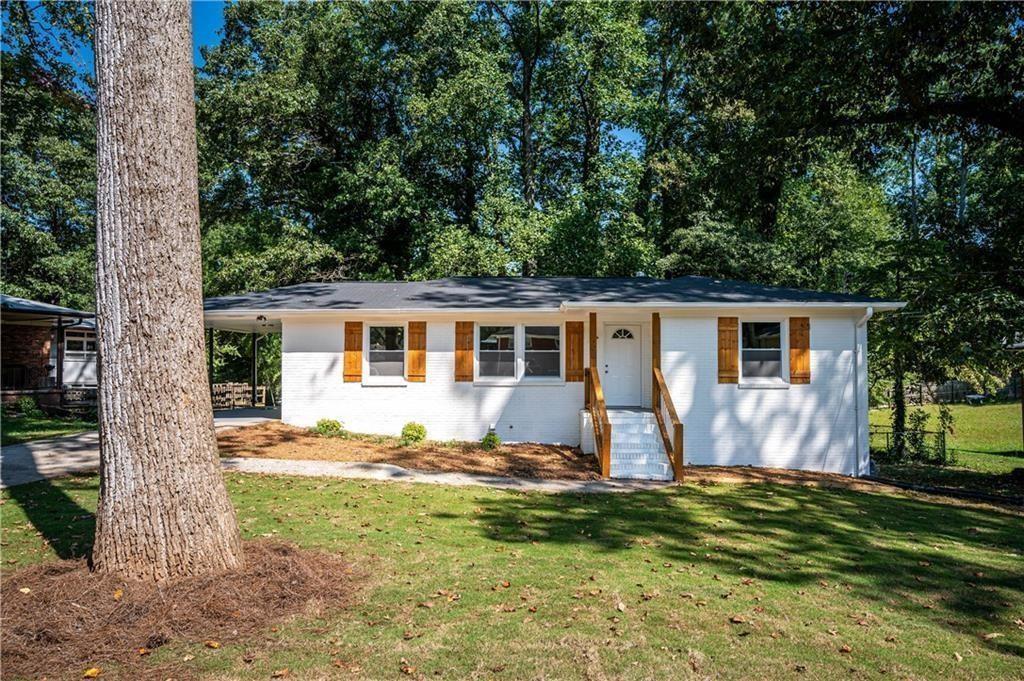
<point x="638" y="452"/>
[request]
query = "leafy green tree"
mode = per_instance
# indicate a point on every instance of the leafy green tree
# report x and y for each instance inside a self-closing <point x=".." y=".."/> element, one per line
<point x="48" y="156"/>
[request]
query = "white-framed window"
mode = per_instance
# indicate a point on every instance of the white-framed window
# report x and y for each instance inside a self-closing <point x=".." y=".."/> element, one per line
<point x="79" y="344"/>
<point x="385" y="352"/>
<point x="762" y="356"/>
<point x="496" y="351"/>
<point x="522" y="352"/>
<point x="542" y="351"/>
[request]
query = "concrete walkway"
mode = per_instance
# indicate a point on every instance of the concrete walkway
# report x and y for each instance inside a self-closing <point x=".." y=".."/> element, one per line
<point x="80" y="453"/>
<point x="43" y="459"/>
<point x="388" y="472"/>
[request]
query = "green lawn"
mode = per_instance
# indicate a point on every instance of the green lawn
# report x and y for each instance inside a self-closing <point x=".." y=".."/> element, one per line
<point x="623" y="585"/>
<point x="23" y="428"/>
<point x="987" y="440"/>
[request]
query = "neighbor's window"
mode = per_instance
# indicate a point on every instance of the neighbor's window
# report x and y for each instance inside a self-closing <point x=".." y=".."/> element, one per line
<point x="79" y="343"/>
<point x="542" y="353"/>
<point x="762" y="349"/>
<point x="387" y="351"/>
<point x="497" y="351"/>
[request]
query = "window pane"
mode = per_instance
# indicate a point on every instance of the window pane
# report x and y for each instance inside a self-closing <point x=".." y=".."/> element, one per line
<point x="387" y="351"/>
<point x="542" y="363"/>
<point x="497" y="351"/>
<point x="73" y="345"/>
<point x="387" y="338"/>
<point x="761" y="364"/>
<point x="497" y="338"/>
<point x="542" y="338"/>
<point x="762" y="349"/>
<point x="387" y="363"/>
<point x="762" y="335"/>
<point x="497" y="363"/>
<point x="542" y="351"/>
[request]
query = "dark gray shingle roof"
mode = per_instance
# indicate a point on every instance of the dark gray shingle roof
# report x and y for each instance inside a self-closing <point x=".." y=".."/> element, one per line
<point x="520" y="293"/>
<point x="33" y="307"/>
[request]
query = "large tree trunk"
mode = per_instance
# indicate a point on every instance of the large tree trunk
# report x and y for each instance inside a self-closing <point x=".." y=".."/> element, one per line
<point x="163" y="510"/>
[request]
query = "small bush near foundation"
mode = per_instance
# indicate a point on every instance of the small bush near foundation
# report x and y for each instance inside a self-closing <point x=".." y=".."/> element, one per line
<point x="413" y="432"/>
<point x="490" y="441"/>
<point x="329" y="428"/>
<point x="26" y="406"/>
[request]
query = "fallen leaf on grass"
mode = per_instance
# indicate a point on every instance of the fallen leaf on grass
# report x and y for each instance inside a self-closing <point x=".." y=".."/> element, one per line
<point x="212" y="644"/>
<point x="620" y="606"/>
<point x="989" y="637"/>
<point x="279" y="674"/>
<point x="91" y="673"/>
<point x="425" y="604"/>
<point x="407" y="668"/>
<point x="959" y="657"/>
<point x="144" y="651"/>
<point x="25" y="590"/>
<point x="845" y="649"/>
<point x="738" y="619"/>
<point x="118" y="593"/>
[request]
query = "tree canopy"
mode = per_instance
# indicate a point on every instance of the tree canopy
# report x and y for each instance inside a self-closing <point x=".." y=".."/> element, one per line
<point x="869" y="147"/>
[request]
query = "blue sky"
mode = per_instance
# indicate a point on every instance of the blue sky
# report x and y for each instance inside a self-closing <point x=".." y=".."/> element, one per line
<point x="207" y="20"/>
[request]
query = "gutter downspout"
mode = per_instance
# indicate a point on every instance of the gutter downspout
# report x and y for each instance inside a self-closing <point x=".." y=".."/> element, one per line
<point x="858" y="408"/>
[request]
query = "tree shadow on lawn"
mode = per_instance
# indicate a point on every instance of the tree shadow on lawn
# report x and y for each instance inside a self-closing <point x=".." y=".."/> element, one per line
<point x="68" y="528"/>
<point x="904" y="553"/>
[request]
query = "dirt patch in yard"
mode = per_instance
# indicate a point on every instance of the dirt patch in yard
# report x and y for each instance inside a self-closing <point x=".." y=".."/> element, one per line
<point x="526" y="460"/>
<point x="60" y="619"/>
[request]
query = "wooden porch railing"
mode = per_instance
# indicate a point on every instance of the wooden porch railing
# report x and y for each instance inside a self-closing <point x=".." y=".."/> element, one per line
<point x="599" y="416"/>
<point x="669" y="424"/>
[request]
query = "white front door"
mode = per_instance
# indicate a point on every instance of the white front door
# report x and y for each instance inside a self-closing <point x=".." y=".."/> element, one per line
<point x="621" y="377"/>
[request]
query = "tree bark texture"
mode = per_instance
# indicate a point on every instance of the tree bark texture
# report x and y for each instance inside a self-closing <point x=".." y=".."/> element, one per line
<point x="163" y="511"/>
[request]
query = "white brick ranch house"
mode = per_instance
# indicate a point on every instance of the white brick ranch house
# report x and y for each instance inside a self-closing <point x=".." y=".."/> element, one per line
<point x="690" y="370"/>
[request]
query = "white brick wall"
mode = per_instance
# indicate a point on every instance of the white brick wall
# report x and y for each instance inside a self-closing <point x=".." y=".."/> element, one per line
<point x="312" y="388"/>
<point x="810" y="427"/>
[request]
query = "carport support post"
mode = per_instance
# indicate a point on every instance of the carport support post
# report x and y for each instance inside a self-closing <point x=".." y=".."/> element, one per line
<point x="210" y="340"/>
<point x="60" y="357"/>
<point x="252" y="368"/>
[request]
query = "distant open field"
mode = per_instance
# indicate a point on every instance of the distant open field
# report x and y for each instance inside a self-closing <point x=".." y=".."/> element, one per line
<point x="987" y="440"/>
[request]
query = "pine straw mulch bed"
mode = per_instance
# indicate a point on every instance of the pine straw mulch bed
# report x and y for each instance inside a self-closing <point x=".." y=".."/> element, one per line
<point x="72" y="620"/>
<point x="275" y="440"/>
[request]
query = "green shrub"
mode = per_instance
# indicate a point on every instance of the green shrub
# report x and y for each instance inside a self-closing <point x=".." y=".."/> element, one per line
<point x="413" y="432"/>
<point x="490" y="441"/>
<point x="329" y="428"/>
<point x="26" y="406"/>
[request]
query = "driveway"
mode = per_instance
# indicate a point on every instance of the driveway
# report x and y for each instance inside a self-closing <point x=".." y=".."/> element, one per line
<point x="41" y="459"/>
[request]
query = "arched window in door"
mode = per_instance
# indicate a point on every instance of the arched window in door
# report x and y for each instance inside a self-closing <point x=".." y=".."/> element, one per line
<point x="622" y="334"/>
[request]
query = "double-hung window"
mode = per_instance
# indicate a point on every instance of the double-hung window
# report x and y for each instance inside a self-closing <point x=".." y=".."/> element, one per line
<point x="387" y="351"/>
<point x="497" y="351"/>
<point x="542" y="351"/>
<point x="761" y="350"/>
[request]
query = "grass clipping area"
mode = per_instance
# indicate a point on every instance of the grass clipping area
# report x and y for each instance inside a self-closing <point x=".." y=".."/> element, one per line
<point x="61" y="616"/>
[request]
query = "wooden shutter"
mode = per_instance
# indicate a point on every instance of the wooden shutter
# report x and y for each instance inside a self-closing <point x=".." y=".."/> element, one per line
<point x="416" y="352"/>
<point x="728" y="350"/>
<point x="799" y="350"/>
<point x="353" y="352"/>
<point x="574" y="352"/>
<point x="464" y="351"/>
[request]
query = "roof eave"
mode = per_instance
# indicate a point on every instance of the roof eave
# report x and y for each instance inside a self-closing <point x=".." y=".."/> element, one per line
<point x="882" y="306"/>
